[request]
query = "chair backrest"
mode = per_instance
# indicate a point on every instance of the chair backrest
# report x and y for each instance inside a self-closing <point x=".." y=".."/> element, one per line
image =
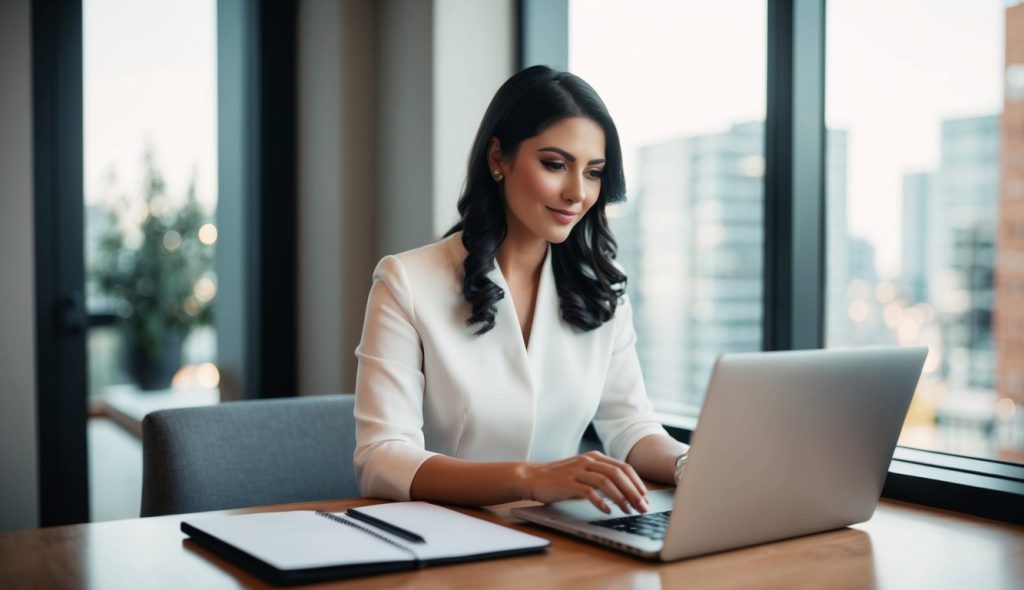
<point x="248" y="453"/>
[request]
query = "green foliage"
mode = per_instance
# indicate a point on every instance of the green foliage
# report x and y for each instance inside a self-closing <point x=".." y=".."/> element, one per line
<point x="151" y="268"/>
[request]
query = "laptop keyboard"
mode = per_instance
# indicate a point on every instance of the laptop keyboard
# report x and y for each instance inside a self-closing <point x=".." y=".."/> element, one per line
<point x="651" y="525"/>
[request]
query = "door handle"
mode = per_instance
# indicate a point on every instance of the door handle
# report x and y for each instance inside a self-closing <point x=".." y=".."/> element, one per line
<point x="72" y="314"/>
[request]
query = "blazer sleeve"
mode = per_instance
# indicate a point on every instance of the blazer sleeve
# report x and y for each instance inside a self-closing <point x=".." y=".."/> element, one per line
<point x="625" y="414"/>
<point x="389" y="388"/>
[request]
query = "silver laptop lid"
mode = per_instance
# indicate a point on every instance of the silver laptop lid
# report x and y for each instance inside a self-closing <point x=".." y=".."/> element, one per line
<point x="790" y="443"/>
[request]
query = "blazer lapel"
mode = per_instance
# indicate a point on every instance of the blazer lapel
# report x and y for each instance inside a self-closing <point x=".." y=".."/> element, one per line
<point x="545" y="321"/>
<point x="507" y="332"/>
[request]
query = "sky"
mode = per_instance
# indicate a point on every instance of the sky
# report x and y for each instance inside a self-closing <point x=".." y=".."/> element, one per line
<point x="894" y="70"/>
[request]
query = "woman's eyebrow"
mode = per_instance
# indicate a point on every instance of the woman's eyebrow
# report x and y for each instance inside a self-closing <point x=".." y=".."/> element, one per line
<point x="567" y="155"/>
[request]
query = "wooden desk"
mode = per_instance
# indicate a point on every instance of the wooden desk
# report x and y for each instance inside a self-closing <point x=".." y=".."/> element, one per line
<point x="903" y="546"/>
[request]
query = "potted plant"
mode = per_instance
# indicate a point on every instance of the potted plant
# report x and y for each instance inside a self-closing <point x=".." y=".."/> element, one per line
<point x="154" y="266"/>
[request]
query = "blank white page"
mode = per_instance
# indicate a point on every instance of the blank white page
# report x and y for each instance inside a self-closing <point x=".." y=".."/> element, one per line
<point x="299" y="539"/>
<point x="449" y="533"/>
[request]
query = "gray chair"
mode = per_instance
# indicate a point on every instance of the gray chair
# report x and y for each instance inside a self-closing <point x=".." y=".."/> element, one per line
<point x="248" y="453"/>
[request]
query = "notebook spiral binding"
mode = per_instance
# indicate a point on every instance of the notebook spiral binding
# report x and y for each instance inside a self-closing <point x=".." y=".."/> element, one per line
<point x="366" y="530"/>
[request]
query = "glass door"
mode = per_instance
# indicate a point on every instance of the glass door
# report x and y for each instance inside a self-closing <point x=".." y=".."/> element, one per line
<point x="150" y="188"/>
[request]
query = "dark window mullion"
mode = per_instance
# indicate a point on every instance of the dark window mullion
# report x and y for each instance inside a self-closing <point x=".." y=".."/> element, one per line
<point x="794" y="182"/>
<point x="61" y="318"/>
<point x="255" y="313"/>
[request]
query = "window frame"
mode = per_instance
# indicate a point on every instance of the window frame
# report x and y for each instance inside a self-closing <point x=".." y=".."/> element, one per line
<point x="60" y="318"/>
<point x="795" y="240"/>
<point x="256" y="255"/>
<point x="256" y="45"/>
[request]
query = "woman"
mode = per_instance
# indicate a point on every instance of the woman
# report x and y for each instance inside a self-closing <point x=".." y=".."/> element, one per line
<point x="485" y="356"/>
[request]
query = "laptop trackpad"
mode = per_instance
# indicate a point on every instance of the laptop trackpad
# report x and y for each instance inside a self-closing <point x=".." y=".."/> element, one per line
<point x="583" y="510"/>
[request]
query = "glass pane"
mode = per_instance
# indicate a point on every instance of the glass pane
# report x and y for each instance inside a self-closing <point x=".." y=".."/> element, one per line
<point x="150" y="187"/>
<point x="692" y="131"/>
<point x="932" y="250"/>
<point x="150" y="177"/>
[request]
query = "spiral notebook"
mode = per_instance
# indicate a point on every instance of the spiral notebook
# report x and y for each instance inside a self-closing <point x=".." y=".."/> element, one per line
<point x="297" y="547"/>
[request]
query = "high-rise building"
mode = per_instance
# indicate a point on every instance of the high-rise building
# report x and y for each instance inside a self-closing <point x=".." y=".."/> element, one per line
<point x="969" y="306"/>
<point x="692" y="240"/>
<point x="864" y="315"/>
<point x="644" y="246"/>
<point x="837" y="251"/>
<point x="918" y="195"/>
<point x="862" y="262"/>
<point x="962" y="253"/>
<point x="1008" y="320"/>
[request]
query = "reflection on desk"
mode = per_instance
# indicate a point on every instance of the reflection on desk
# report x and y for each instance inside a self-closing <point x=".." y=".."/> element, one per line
<point x="903" y="546"/>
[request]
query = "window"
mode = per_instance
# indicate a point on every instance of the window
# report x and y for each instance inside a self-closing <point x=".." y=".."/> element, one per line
<point x="150" y="187"/>
<point x="692" y="131"/>
<point x="928" y="252"/>
<point x="150" y="180"/>
<point x="909" y="116"/>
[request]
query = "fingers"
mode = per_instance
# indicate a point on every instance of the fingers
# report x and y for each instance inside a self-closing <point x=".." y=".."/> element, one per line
<point x="589" y="476"/>
<point x="596" y="481"/>
<point x="612" y="478"/>
<point x="591" y="494"/>
<point x="626" y="478"/>
<point x="625" y="468"/>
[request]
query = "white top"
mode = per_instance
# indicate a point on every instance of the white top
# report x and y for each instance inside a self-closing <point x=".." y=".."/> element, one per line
<point x="426" y="385"/>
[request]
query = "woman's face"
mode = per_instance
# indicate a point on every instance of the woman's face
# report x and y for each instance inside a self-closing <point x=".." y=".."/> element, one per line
<point x="553" y="180"/>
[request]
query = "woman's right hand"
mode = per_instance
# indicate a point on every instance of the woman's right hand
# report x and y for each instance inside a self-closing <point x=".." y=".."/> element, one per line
<point x="582" y="476"/>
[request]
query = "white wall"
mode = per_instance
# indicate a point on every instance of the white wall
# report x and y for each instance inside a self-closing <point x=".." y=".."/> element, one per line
<point x="474" y="52"/>
<point x="19" y="503"/>
<point x="337" y="151"/>
<point x="405" y="125"/>
<point x="390" y="95"/>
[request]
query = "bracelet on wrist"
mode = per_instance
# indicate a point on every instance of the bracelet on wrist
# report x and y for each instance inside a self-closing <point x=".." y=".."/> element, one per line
<point x="681" y="459"/>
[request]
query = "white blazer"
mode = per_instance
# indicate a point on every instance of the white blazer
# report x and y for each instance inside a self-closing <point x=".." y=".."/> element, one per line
<point x="426" y="385"/>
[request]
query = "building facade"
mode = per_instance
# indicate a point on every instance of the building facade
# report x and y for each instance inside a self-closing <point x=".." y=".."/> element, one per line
<point x="962" y="248"/>
<point x="692" y="240"/>
<point x="917" y="200"/>
<point x="1008" y="319"/>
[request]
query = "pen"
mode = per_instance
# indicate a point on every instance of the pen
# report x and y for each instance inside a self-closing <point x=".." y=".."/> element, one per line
<point x="386" y="526"/>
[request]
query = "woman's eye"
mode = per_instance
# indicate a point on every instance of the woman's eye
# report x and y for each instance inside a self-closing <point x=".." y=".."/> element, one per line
<point x="556" y="166"/>
<point x="595" y="174"/>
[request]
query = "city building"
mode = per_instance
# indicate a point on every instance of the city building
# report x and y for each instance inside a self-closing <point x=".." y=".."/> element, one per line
<point x="962" y="247"/>
<point x="1008" y="318"/>
<point x="837" y="240"/>
<point x="694" y="230"/>
<point x="918" y="192"/>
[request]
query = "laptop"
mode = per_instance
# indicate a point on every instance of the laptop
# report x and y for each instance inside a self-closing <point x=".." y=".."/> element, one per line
<point x="788" y="444"/>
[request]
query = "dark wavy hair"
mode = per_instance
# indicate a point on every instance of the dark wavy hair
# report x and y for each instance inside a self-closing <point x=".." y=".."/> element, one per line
<point x="588" y="282"/>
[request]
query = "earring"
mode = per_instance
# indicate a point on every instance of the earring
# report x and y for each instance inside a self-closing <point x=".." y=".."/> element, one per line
<point x="497" y="175"/>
